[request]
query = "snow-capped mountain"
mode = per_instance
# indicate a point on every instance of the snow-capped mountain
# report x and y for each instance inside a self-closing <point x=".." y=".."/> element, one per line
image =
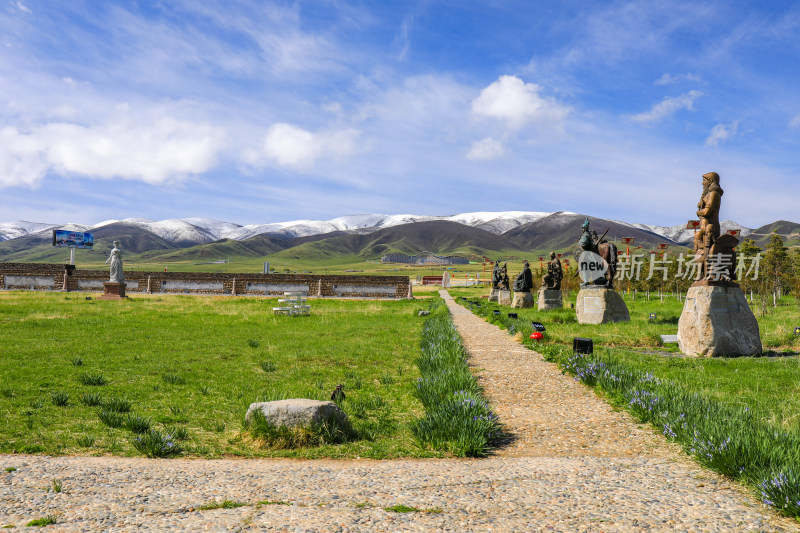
<point x="198" y="230"/>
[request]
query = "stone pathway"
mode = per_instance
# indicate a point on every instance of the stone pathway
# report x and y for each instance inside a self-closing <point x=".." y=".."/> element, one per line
<point x="575" y="465"/>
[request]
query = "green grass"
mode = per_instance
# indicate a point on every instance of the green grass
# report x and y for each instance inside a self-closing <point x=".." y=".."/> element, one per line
<point x="206" y="343"/>
<point x="225" y="504"/>
<point x="45" y="521"/>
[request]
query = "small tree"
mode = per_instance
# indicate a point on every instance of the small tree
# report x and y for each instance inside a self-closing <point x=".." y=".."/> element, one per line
<point x="775" y="268"/>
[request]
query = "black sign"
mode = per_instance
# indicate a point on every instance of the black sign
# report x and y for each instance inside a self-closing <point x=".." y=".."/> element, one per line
<point x="582" y="346"/>
<point x="496" y="312"/>
<point x="538" y="326"/>
<point x="512" y="315"/>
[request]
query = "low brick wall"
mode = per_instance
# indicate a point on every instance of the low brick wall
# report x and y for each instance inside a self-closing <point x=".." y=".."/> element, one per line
<point x="45" y="276"/>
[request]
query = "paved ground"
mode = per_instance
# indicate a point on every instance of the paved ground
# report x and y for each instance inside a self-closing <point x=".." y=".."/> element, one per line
<point x="575" y="465"/>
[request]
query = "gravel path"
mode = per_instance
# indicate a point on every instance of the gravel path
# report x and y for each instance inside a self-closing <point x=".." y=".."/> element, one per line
<point x="575" y="465"/>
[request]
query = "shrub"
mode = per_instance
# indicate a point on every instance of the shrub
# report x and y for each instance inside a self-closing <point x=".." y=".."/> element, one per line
<point x="46" y="521"/>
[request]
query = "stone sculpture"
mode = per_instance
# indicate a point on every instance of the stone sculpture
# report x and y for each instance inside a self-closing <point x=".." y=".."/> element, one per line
<point x="524" y="280"/>
<point x="716" y="319"/>
<point x="714" y="253"/>
<point x="552" y="280"/>
<point x="116" y="273"/>
<point x="522" y="288"/>
<point x="597" y="301"/>
<point x="550" y="293"/>
<point x="589" y="242"/>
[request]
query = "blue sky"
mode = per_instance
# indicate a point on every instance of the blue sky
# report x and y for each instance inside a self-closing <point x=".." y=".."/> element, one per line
<point x="255" y="112"/>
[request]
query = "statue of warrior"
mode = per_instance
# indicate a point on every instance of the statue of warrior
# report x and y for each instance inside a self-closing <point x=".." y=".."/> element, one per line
<point x="524" y="281"/>
<point x="552" y="280"/>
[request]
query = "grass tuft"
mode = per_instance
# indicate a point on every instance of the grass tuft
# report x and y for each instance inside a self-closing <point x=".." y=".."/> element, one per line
<point x="225" y="504"/>
<point x="60" y="398"/>
<point x="58" y="485"/>
<point x="111" y="418"/>
<point x="46" y="521"/>
<point x="92" y="399"/>
<point x="173" y="379"/>
<point x="268" y="366"/>
<point x="137" y="424"/>
<point x="156" y="444"/>
<point x="94" y="380"/>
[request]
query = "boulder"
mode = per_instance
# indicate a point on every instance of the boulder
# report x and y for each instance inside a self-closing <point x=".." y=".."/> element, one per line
<point x="522" y="300"/>
<point x="600" y="305"/>
<point x="716" y="320"/>
<point x="550" y="299"/>
<point x="298" y="412"/>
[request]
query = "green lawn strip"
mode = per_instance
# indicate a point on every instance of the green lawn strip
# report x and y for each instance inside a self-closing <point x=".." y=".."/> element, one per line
<point x="457" y="418"/>
<point x="737" y="416"/>
<point x="190" y="366"/>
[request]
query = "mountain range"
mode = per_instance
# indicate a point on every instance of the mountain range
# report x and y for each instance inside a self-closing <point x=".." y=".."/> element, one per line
<point x="368" y="236"/>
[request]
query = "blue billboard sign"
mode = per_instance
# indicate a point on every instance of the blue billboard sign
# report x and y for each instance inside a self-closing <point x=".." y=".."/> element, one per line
<point x="73" y="239"/>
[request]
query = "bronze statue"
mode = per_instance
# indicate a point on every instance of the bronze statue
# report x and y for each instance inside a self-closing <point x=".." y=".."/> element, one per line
<point x="496" y="275"/>
<point x="714" y="253"/>
<point x="552" y="280"/>
<point x="524" y="281"/>
<point x="606" y="250"/>
<point x="504" y="282"/>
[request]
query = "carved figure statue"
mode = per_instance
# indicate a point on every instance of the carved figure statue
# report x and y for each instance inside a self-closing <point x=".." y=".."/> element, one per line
<point x="503" y="282"/>
<point x="590" y="242"/>
<point x="714" y="253"/>
<point x="552" y="280"/>
<point x="496" y="275"/>
<point x="117" y="276"/>
<point x="524" y="281"/>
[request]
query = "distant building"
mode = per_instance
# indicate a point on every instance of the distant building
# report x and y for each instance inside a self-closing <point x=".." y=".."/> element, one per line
<point x="424" y="259"/>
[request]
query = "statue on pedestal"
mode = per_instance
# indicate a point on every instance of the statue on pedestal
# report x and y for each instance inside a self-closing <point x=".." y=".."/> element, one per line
<point x="524" y="281"/>
<point x="607" y="251"/>
<point x="552" y="280"/>
<point x="500" y="276"/>
<point x="116" y="273"/>
<point x="716" y="318"/>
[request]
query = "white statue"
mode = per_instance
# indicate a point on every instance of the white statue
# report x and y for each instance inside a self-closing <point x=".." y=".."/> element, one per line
<point x="117" y="276"/>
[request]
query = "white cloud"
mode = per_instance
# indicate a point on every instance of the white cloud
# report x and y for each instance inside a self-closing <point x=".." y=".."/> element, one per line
<point x="295" y="147"/>
<point x="721" y="133"/>
<point x="795" y="122"/>
<point x="669" y="79"/>
<point x="154" y="152"/>
<point x="22" y="7"/>
<point x="518" y="103"/>
<point x="485" y="149"/>
<point x="668" y="106"/>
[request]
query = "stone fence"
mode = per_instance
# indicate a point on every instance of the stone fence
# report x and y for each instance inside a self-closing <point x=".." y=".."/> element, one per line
<point x="55" y="277"/>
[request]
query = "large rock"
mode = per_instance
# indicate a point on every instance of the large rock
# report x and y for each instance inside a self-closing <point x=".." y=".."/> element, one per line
<point x="298" y="412"/>
<point x="600" y="305"/>
<point x="504" y="297"/>
<point x="716" y="320"/>
<point x="550" y="299"/>
<point x="522" y="300"/>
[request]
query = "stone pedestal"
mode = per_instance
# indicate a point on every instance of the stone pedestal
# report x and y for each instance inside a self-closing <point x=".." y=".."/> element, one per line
<point x="493" y="295"/>
<point x="113" y="291"/>
<point x="504" y="297"/>
<point x="600" y="305"/>
<point x="522" y="300"/>
<point x="550" y="299"/>
<point x="716" y="320"/>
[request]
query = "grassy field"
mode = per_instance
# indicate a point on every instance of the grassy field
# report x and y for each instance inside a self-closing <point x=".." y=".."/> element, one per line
<point x="190" y="366"/>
